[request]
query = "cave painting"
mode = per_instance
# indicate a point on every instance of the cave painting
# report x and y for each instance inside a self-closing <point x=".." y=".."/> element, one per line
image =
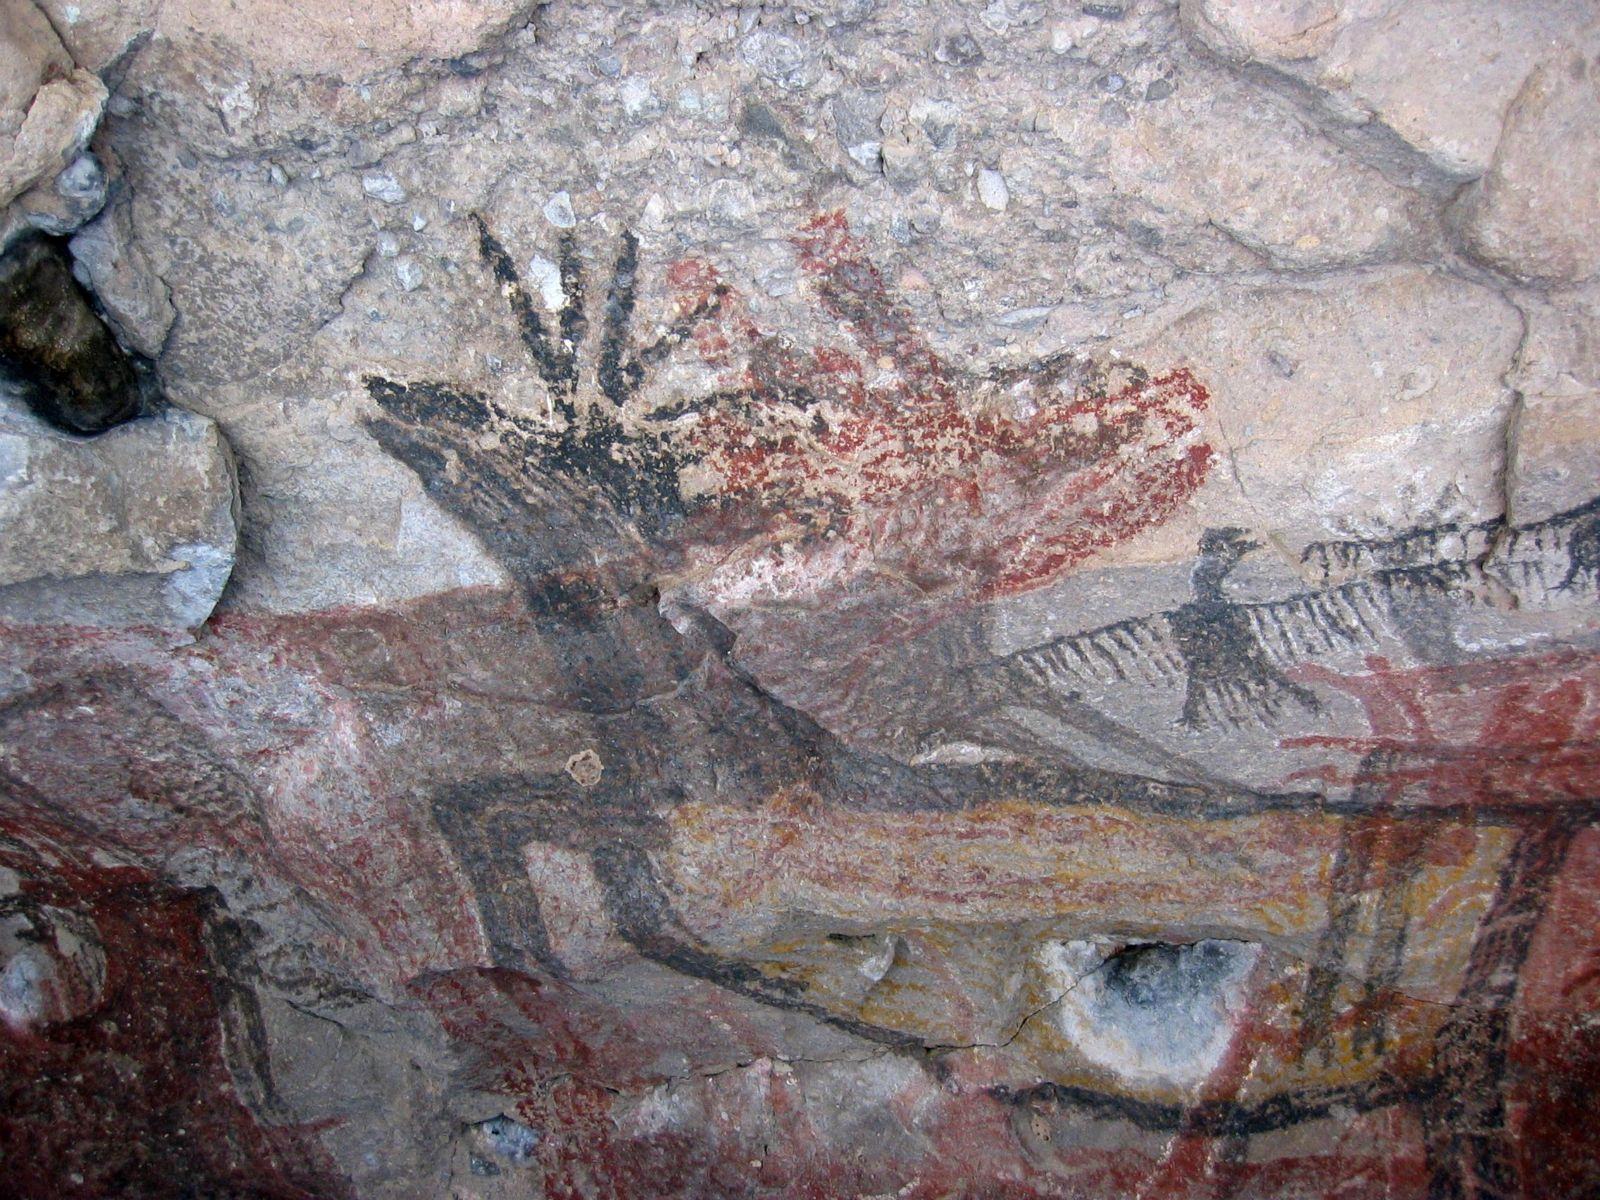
<point x="1072" y="457"/>
<point x="889" y="457"/>
<point x="1363" y="946"/>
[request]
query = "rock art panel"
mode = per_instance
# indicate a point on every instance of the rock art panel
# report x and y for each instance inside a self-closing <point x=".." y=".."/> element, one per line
<point x="831" y="600"/>
<point x="982" y="483"/>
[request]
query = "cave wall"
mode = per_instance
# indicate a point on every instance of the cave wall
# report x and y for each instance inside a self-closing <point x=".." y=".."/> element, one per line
<point x="854" y="598"/>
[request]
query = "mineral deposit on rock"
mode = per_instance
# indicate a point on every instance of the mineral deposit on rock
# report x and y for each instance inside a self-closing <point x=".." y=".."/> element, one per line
<point x="839" y="598"/>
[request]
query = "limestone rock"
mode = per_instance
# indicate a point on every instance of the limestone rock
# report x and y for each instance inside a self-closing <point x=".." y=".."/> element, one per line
<point x="344" y="39"/>
<point x="1536" y="213"/>
<point x="100" y="33"/>
<point x="1293" y="200"/>
<point x="1555" y="456"/>
<point x="1440" y="74"/>
<point x="133" y="528"/>
<point x="109" y="262"/>
<point x="269" y="74"/>
<point x="49" y="107"/>
<point x="1318" y="390"/>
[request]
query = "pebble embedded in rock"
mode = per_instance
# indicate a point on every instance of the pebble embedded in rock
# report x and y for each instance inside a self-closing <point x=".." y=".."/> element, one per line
<point x="558" y="211"/>
<point x="544" y="277"/>
<point x="639" y="100"/>
<point x="1113" y="113"/>
<point x="992" y="190"/>
<point x="957" y="48"/>
<point x="779" y="59"/>
<point x="507" y="1139"/>
<point x="383" y="187"/>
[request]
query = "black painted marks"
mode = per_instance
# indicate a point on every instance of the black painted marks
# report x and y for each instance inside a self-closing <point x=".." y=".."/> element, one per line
<point x="1232" y="657"/>
<point x="1470" y="1151"/>
<point x="586" y="440"/>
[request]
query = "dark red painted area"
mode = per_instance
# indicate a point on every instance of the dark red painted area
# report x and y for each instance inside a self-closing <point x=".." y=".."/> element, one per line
<point x="1514" y="740"/>
<point x="1517" y="733"/>
<point x="1513" y="743"/>
<point x="133" y="1098"/>
<point x="986" y="484"/>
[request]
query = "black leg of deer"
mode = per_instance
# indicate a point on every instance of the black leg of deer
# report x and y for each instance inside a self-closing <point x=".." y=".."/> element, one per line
<point x="1465" y="1125"/>
<point x="1388" y="956"/>
<point x="488" y="833"/>
<point x="1350" y="869"/>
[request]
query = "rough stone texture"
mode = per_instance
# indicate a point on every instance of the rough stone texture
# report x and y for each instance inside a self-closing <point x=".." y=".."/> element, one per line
<point x="845" y="599"/>
<point x="49" y="107"/>
<point x="99" y="35"/>
<point x="1536" y="212"/>
<point x="133" y="528"/>
<point x="1557" y="377"/>
<point x="1439" y="75"/>
<point x="108" y="260"/>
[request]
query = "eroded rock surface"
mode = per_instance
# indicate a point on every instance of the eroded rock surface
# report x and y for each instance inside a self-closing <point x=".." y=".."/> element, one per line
<point x="135" y="527"/>
<point x="839" y="599"/>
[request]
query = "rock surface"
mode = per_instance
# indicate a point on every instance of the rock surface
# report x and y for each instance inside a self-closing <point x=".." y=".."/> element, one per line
<point x="1437" y="75"/>
<point x="1536" y="213"/>
<point x="49" y="107"/>
<point x="133" y="528"/>
<point x="842" y="599"/>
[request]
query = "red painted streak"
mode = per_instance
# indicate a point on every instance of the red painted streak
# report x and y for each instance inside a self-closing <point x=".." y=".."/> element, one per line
<point x="916" y="473"/>
<point x="1518" y="734"/>
<point x="1514" y="732"/>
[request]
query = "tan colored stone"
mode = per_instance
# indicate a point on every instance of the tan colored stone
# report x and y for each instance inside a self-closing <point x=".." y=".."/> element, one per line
<point x="1278" y="29"/>
<point x="118" y="271"/>
<point x="99" y="32"/>
<point x="345" y="39"/>
<point x="48" y="107"/>
<point x="1440" y="73"/>
<point x="1555" y="441"/>
<point x="134" y="527"/>
<point x="1285" y="194"/>
<point x="30" y="55"/>
<point x="1319" y="390"/>
<point x="1536" y="214"/>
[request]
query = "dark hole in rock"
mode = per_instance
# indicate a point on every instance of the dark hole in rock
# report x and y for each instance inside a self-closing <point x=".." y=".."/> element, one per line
<point x="56" y="352"/>
<point x="1161" y="975"/>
